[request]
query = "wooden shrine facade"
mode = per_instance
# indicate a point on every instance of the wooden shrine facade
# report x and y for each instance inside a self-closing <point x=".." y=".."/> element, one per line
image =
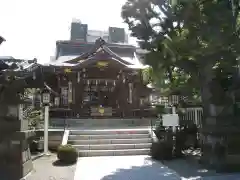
<point x="98" y="84"/>
<point x="94" y="92"/>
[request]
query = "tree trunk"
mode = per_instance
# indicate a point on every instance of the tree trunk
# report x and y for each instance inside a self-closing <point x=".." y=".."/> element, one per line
<point x="209" y="115"/>
<point x="218" y="120"/>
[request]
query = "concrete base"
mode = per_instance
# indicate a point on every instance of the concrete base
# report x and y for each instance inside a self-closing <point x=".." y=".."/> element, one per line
<point x="220" y="148"/>
<point x="18" y="160"/>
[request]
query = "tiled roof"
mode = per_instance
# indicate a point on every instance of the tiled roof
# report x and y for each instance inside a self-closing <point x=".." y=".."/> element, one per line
<point x="101" y="51"/>
<point x="6" y="57"/>
<point x="10" y="64"/>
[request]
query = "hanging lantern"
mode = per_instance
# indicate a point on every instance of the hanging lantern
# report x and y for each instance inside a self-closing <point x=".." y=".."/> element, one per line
<point x="45" y="96"/>
<point x="78" y="77"/>
<point x="88" y="82"/>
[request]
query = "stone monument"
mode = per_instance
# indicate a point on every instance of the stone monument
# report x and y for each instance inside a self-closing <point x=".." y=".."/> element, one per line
<point x="15" y="157"/>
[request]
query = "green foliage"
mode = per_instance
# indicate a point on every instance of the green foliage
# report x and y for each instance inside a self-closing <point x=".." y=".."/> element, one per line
<point x="67" y="153"/>
<point x="147" y="75"/>
<point x="162" y="150"/>
<point x="160" y="109"/>
<point x="190" y="43"/>
<point x="34" y="118"/>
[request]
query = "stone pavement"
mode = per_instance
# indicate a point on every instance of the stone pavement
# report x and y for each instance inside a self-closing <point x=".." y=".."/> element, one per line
<point x="141" y="168"/>
<point x="122" y="168"/>
<point x="46" y="168"/>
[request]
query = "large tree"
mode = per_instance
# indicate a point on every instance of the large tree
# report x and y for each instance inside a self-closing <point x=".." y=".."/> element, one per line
<point x="196" y="41"/>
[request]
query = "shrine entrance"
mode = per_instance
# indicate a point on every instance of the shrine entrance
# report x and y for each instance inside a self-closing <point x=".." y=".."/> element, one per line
<point x="99" y="94"/>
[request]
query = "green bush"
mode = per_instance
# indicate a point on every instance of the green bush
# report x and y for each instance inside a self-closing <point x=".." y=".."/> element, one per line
<point x="67" y="154"/>
<point x="160" y="109"/>
<point x="162" y="151"/>
<point x="33" y="145"/>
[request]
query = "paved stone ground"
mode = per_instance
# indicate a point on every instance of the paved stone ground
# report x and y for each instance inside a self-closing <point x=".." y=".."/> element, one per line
<point x="122" y="168"/>
<point x="46" y="169"/>
<point x="141" y="168"/>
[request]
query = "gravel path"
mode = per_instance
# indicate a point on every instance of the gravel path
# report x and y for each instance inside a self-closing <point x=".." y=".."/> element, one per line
<point x="46" y="169"/>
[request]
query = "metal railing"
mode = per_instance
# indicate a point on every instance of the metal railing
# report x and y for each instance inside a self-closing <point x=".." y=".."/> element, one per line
<point x="193" y="115"/>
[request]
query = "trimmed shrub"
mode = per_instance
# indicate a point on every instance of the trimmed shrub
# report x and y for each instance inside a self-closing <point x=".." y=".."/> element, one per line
<point x="162" y="151"/>
<point x="33" y="145"/>
<point x="67" y="154"/>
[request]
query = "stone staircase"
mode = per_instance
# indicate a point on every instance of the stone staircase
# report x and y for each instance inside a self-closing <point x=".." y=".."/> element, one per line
<point x="99" y="123"/>
<point x="111" y="142"/>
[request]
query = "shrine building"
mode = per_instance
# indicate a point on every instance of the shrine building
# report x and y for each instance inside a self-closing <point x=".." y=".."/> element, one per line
<point x="103" y="81"/>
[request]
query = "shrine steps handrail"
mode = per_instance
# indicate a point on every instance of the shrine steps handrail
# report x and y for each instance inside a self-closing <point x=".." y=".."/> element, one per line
<point x="65" y="137"/>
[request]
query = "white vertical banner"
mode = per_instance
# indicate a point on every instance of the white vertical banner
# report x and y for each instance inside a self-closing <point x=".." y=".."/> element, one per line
<point x="70" y="99"/>
<point x="130" y="87"/>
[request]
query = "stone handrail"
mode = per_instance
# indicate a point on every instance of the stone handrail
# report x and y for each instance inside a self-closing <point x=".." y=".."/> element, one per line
<point x="65" y="137"/>
<point x="152" y="134"/>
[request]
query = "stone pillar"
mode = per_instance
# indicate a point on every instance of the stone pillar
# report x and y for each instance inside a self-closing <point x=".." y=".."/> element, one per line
<point x="15" y="157"/>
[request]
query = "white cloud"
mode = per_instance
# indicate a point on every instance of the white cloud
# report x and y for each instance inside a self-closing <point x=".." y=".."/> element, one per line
<point x="31" y="27"/>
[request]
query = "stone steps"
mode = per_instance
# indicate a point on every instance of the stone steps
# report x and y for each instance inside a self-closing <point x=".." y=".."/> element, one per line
<point x="115" y="152"/>
<point x="110" y="131"/>
<point x="111" y="142"/>
<point x="111" y="136"/>
<point x="113" y="146"/>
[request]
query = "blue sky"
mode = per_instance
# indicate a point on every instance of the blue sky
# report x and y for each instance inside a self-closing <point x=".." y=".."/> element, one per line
<point x="31" y="27"/>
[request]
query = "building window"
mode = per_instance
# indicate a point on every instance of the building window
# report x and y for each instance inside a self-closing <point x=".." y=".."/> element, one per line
<point x="64" y="95"/>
